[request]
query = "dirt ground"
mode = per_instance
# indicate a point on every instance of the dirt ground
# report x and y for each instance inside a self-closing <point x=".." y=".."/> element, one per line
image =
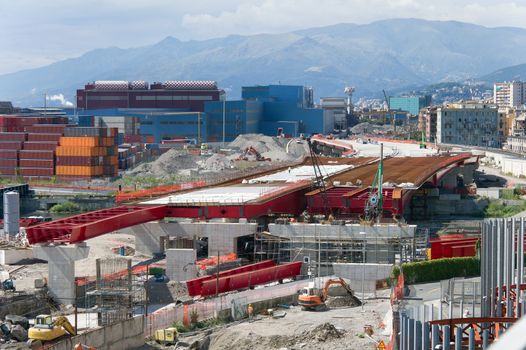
<point x="337" y="328"/>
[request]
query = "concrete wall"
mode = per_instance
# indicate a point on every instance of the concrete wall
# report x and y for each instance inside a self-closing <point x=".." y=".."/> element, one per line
<point x="456" y="207"/>
<point x="369" y="273"/>
<point x="347" y="232"/>
<point x="221" y="236"/>
<point x="491" y="192"/>
<point x="123" y="335"/>
<point x="13" y="256"/>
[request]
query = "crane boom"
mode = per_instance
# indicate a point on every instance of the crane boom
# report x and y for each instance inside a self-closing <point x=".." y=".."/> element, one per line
<point x="319" y="179"/>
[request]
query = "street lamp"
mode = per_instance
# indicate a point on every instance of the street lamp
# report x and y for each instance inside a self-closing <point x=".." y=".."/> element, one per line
<point x="363" y="265"/>
<point x="224" y="117"/>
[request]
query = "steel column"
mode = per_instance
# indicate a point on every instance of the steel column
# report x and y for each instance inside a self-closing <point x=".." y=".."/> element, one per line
<point x="435" y="338"/>
<point x="446" y="341"/>
<point x="418" y="335"/>
<point x="458" y="338"/>
<point x="425" y="336"/>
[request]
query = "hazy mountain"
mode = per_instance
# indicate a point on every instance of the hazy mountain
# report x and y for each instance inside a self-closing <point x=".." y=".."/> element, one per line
<point x="389" y="54"/>
<point x="517" y="72"/>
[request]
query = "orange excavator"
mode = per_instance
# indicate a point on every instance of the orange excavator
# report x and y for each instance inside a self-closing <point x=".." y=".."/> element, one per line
<point x="312" y="298"/>
<point x="255" y="154"/>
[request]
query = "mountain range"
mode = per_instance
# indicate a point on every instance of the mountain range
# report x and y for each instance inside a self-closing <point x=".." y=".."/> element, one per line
<point x="389" y="54"/>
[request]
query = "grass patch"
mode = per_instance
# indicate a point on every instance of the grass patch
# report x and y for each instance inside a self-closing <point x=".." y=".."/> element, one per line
<point x="66" y="207"/>
<point x="439" y="269"/>
<point x="181" y="328"/>
<point x="498" y="209"/>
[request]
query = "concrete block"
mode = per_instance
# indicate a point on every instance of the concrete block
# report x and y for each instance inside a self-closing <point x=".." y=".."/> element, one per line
<point x="114" y="333"/>
<point x="13" y="256"/>
<point x="180" y="264"/>
<point x="95" y="338"/>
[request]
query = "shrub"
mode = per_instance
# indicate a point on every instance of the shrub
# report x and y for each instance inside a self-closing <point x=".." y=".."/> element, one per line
<point x="496" y="209"/>
<point x="66" y="207"/>
<point x="439" y="269"/>
<point x="156" y="271"/>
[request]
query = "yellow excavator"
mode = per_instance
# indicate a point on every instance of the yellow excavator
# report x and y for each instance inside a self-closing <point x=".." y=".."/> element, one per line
<point x="312" y="298"/>
<point x="46" y="328"/>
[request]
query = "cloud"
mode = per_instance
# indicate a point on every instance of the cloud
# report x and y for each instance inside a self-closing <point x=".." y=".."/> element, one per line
<point x="60" y="98"/>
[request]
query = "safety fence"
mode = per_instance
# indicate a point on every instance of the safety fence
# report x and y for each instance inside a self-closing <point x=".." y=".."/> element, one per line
<point x="209" y="308"/>
<point x="157" y="191"/>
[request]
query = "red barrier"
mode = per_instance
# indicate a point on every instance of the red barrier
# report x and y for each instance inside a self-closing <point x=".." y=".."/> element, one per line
<point x="455" y="247"/>
<point x="251" y="278"/>
<point x="195" y="286"/>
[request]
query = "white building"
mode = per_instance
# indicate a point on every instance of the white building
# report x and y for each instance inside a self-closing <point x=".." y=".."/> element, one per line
<point x="509" y="94"/>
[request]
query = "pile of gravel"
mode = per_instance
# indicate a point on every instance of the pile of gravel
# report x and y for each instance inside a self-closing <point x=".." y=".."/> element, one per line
<point x="168" y="164"/>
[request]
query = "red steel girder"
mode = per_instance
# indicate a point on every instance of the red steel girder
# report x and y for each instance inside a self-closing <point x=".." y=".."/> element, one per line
<point x="80" y="227"/>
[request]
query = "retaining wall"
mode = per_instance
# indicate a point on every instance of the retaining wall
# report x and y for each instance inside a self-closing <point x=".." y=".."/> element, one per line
<point x="123" y="335"/>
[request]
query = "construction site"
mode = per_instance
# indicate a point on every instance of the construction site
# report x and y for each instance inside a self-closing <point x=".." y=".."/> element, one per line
<point x="276" y="243"/>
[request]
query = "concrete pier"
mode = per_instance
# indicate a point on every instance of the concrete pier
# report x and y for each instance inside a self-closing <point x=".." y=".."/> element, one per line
<point x="61" y="268"/>
<point x="180" y="264"/>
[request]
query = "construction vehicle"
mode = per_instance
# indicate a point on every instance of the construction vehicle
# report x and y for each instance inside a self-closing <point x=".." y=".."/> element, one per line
<point x="47" y="329"/>
<point x="423" y="141"/>
<point x="251" y="151"/>
<point x="166" y="336"/>
<point x="374" y="205"/>
<point x="312" y="298"/>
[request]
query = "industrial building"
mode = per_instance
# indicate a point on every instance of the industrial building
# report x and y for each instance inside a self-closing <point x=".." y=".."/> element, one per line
<point x="184" y="95"/>
<point x="272" y="110"/>
<point x="470" y="124"/>
<point x="411" y="104"/>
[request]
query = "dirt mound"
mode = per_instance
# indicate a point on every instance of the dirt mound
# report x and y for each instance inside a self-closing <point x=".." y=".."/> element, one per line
<point x="217" y="162"/>
<point x="343" y="301"/>
<point x="168" y="164"/>
<point x="325" y="331"/>
<point x="269" y="147"/>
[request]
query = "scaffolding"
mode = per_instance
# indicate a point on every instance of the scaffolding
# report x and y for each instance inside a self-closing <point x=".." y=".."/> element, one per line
<point x="319" y="251"/>
<point x="116" y="291"/>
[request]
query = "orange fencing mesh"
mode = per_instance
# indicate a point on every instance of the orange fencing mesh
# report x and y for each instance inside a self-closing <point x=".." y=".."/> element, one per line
<point x="157" y="191"/>
<point x="204" y="263"/>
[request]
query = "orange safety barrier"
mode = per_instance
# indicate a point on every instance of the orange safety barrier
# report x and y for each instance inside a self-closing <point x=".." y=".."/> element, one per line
<point x="204" y="263"/>
<point x="157" y="191"/>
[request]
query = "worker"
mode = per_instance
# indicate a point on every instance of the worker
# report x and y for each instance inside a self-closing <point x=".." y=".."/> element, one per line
<point x="250" y="310"/>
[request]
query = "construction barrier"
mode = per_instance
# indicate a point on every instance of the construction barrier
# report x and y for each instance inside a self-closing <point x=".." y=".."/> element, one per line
<point x="158" y="191"/>
<point x="213" y="261"/>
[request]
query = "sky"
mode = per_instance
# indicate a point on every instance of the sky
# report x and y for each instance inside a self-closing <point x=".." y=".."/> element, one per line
<point x="35" y="33"/>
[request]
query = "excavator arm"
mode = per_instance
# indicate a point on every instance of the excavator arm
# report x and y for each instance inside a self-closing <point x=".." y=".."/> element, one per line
<point x="339" y="281"/>
<point x="63" y="322"/>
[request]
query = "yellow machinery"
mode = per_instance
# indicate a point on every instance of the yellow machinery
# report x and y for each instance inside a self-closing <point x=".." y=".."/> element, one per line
<point x="166" y="336"/>
<point x="47" y="329"/>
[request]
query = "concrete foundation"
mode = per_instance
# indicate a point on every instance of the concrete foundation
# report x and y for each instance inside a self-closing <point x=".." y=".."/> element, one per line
<point x="221" y="236"/>
<point x="13" y="256"/>
<point x="356" y="273"/>
<point x="61" y="268"/>
<point x="180" y="264"/>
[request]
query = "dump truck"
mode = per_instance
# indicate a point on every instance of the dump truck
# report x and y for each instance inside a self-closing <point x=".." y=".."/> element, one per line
<point x="166" y="336"/>
<point x="312" y="298"/>
<point x="46" y="328"/>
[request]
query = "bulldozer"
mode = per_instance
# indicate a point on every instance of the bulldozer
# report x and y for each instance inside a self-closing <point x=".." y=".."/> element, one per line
<point x="47" y="329"/>
<point x="312" y="298"/>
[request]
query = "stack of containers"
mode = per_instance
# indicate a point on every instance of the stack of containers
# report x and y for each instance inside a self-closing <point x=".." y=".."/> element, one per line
<point x="87" y="152"/>
<point x="18" y="123"/>
<point x="10" y="145"/>
<point x="37" y="159"/>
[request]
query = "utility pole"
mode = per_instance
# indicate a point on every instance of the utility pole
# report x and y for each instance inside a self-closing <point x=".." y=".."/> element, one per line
<point x="224" y="118"/>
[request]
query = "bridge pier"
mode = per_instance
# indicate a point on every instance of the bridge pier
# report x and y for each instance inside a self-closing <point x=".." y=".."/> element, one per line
<point x="61" y="268"/>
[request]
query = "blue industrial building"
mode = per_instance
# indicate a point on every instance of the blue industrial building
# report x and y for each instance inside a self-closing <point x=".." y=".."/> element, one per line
<point x="270" y="109"/>
<point x="411" y="104"/>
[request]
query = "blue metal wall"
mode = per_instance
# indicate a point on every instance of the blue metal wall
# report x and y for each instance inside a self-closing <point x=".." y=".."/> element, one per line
<point x="411" y="104"/>
<point x="277" y="93"/>
<point x="241" y="117"/>
<point x="175" y="125"/>
<point x="310" y="120"/>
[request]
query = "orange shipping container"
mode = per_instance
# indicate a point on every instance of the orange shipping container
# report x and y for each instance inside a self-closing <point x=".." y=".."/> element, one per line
<point x="79" y="170"/>
<point x="80" y="151"/>
<point x="80" y="141"/>
<point x="108" y="141"/>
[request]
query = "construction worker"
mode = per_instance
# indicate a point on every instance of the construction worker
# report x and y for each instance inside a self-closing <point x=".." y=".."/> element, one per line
<point x="250" y="310"/>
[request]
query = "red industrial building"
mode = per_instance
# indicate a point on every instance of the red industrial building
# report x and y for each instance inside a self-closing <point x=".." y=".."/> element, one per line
<point x="184" y="95"/>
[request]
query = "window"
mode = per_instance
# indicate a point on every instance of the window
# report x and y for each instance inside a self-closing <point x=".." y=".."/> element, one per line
<point x="107" y="98"/>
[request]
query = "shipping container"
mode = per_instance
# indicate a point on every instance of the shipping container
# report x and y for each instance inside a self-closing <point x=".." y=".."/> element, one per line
<point x="11" y="145"/>
<point x="90" y="132"/>
<point x="80" y="151"/>
<point x="37" y="163"/>
<point x="12" y="136"/>
<point x="79" y="170"/>
<point x="36" y="171"/>
<point x="10" y="154"/>
<point x="40" y="145"/>
<point x="79" y="161"/>
<point x="110" y="160"/>
<point x="8" y="162"/>
<point x="8" y="170"/>
<point x="46" y="128"/>
<point x="44" y="137"/>
<point x="80" y="141"/>
<point x="25" y="154"/>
